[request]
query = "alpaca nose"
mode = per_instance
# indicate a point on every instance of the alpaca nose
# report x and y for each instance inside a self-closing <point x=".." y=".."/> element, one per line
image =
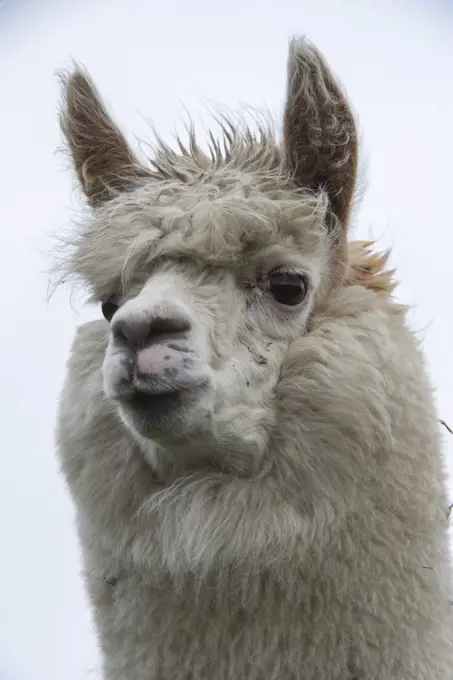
<point x="140" y="329"/>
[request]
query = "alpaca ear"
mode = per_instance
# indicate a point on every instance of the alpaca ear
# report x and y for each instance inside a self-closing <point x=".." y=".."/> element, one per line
<point x="103" y="161"/>
<point x="320" y="134"/>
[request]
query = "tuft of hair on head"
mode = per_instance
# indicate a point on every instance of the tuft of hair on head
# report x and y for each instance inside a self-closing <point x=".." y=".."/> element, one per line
<point x="320" y="138"/>
<point x="101" y="156"/>
<point x="319" y="154"/>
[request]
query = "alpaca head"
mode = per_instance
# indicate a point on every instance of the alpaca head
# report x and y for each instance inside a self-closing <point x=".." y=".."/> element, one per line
<point x="208" y="265"/>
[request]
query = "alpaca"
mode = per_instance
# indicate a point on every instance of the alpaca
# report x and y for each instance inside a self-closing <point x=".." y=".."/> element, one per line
<point x="248" y="434"/>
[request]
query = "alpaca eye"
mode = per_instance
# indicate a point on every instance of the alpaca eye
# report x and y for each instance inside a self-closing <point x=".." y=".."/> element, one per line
<point x="287" y="288"/>
<point x="109" y="308"/>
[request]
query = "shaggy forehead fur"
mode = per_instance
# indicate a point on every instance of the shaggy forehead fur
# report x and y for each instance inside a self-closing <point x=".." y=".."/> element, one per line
<point x="219" y="208"/>
<point x="213" y="225"/>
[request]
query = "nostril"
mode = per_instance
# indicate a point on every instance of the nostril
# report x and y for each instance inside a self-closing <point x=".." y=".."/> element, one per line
<point x="140" y="331"/>
<point x="168" y="325"/>
<point x="121" y="331"/>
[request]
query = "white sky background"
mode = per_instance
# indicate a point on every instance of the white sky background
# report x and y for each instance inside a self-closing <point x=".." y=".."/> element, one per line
<point x="149" y="58"/>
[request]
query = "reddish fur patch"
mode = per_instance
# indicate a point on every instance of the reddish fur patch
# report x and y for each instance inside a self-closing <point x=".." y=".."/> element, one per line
<point x="367" y="268"/>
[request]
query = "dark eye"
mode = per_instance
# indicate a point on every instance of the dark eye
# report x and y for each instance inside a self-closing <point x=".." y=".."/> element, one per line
<point x="287" y="288"/>
<point x="109" y="308"/>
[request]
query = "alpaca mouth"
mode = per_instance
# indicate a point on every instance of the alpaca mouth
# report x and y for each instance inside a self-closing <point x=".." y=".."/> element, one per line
<point x="145" y="401"/>
<point x="155" y="404"/>
<point x="169" y="412"/>
<point x="151" y="405"/>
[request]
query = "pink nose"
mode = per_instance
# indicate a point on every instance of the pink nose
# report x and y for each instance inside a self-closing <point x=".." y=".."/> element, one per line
<point x="160" y="361"/>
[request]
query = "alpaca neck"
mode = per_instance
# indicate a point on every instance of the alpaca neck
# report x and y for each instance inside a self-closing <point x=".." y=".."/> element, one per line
<point x="181" y="456"/>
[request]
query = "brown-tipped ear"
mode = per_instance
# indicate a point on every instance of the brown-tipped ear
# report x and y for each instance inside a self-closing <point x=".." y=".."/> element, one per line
<point x="102" y="159"/>
<point x="320" y="134"/>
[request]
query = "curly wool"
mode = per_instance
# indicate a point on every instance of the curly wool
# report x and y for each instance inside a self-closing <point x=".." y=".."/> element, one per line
<point x="303" y="533"/>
